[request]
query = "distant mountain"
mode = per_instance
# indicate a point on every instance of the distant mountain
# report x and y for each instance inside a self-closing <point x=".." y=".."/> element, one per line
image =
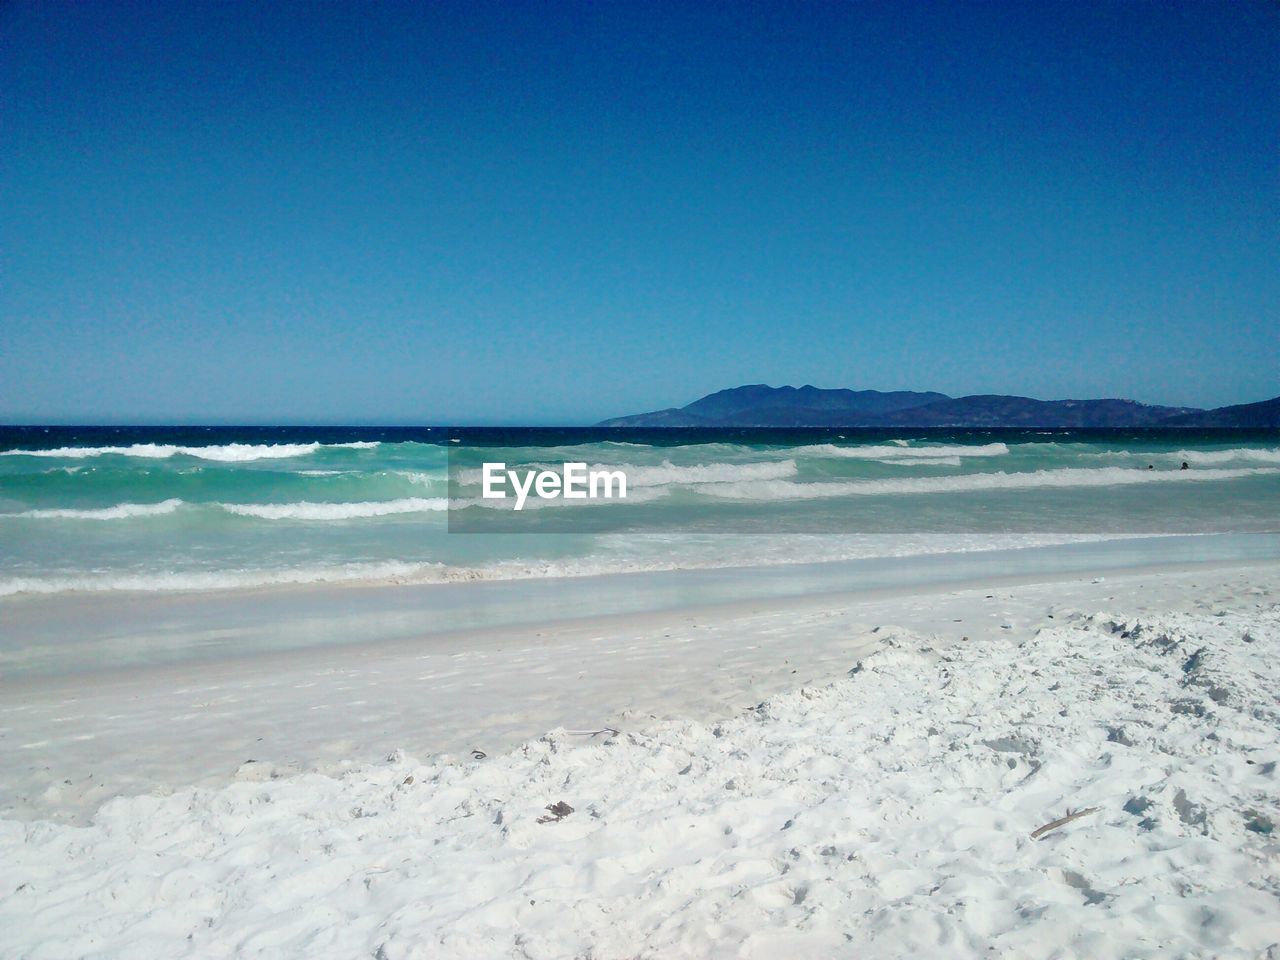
<point x="1264" y="413"/>
<point x="999" y="411"/>
<point x="759" y="405"/>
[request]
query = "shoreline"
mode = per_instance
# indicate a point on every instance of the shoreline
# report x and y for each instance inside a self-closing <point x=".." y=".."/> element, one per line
<point x="90" y="633"/>
<point x="75" y="741"/>
<point x="640" y="620"/>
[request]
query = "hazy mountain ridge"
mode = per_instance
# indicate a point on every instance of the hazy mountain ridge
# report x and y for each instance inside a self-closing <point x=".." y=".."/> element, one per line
<point x="759" y="405"/>
<point x="1264" y="413"/>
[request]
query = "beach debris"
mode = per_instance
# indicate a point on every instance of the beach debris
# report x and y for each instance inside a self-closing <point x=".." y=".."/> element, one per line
<point x="613" y="732"/>
<point x="1191" y="813"/>
<point x="1118" y="735"/>
<point x="558" y="811"/>
<point x="1259" y="823"/>
<point x="1062" y="821"/>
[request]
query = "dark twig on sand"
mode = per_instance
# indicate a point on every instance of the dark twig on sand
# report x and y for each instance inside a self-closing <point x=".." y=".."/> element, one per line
<point x="1061" y="821"/>
<point x="559" y="810"/>
<point x="592" y="733"/>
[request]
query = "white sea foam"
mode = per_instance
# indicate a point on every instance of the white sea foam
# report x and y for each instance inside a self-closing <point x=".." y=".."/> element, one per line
<point x="121" y="511"/>
<point x="1205" y="458"/>
<point x="618" y="554"/>
<point x="424" y="479"/>
<point x="639" y="475"/>
<point x="1067" y="477"/>
<point x="923" y="462"/>
<point x="1239" y="455"/>
<point x="302" y="510"/>
<point x="224" y="453"/>
<point x="204" y="580"/>
<point x="307" y="510"/>
<point x="667" y="473"/>
<point x="634" y="496"/>
<point x="898" y="451"/>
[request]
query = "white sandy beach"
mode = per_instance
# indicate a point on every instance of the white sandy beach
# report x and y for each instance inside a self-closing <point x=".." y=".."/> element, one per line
<point x="639" y="481"/>
<point x="854" y="775"/>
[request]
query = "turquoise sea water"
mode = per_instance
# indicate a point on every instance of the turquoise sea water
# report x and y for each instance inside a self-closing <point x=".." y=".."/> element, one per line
<point x="155" y="509"/>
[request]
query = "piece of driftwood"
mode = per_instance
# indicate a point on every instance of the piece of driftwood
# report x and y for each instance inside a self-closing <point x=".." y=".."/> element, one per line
<point x="1061" y="821"/>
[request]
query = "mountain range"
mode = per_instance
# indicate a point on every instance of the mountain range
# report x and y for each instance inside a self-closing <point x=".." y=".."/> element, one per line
<point x="759" y="405"/>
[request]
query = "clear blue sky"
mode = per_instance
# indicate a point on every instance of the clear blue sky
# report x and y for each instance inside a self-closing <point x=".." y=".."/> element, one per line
<point x="550" y="212"/>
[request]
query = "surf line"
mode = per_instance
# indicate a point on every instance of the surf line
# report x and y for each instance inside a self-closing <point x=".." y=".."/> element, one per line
<point x="573" y="482"/>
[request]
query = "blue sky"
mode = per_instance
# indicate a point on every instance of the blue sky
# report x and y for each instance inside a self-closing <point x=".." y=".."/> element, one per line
<point x="551" y="212"/>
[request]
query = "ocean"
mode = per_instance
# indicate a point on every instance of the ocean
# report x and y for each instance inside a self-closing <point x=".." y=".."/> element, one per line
<point x="205" y="508"/>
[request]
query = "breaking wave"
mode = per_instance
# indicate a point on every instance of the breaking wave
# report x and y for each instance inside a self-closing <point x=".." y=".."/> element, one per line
<point x="804" y="549"/>
<point x="391" y="571"/>
<point x="923" y="462"/>
<point x="668" y="473"/>
<point x="1240" y="455"/>
<point x="897" y="451"/>
<point x="121" y="511"/>
<point x="224" y="453"/>
<point x="1067" y="477"/>
<point x="306" y="510"/>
